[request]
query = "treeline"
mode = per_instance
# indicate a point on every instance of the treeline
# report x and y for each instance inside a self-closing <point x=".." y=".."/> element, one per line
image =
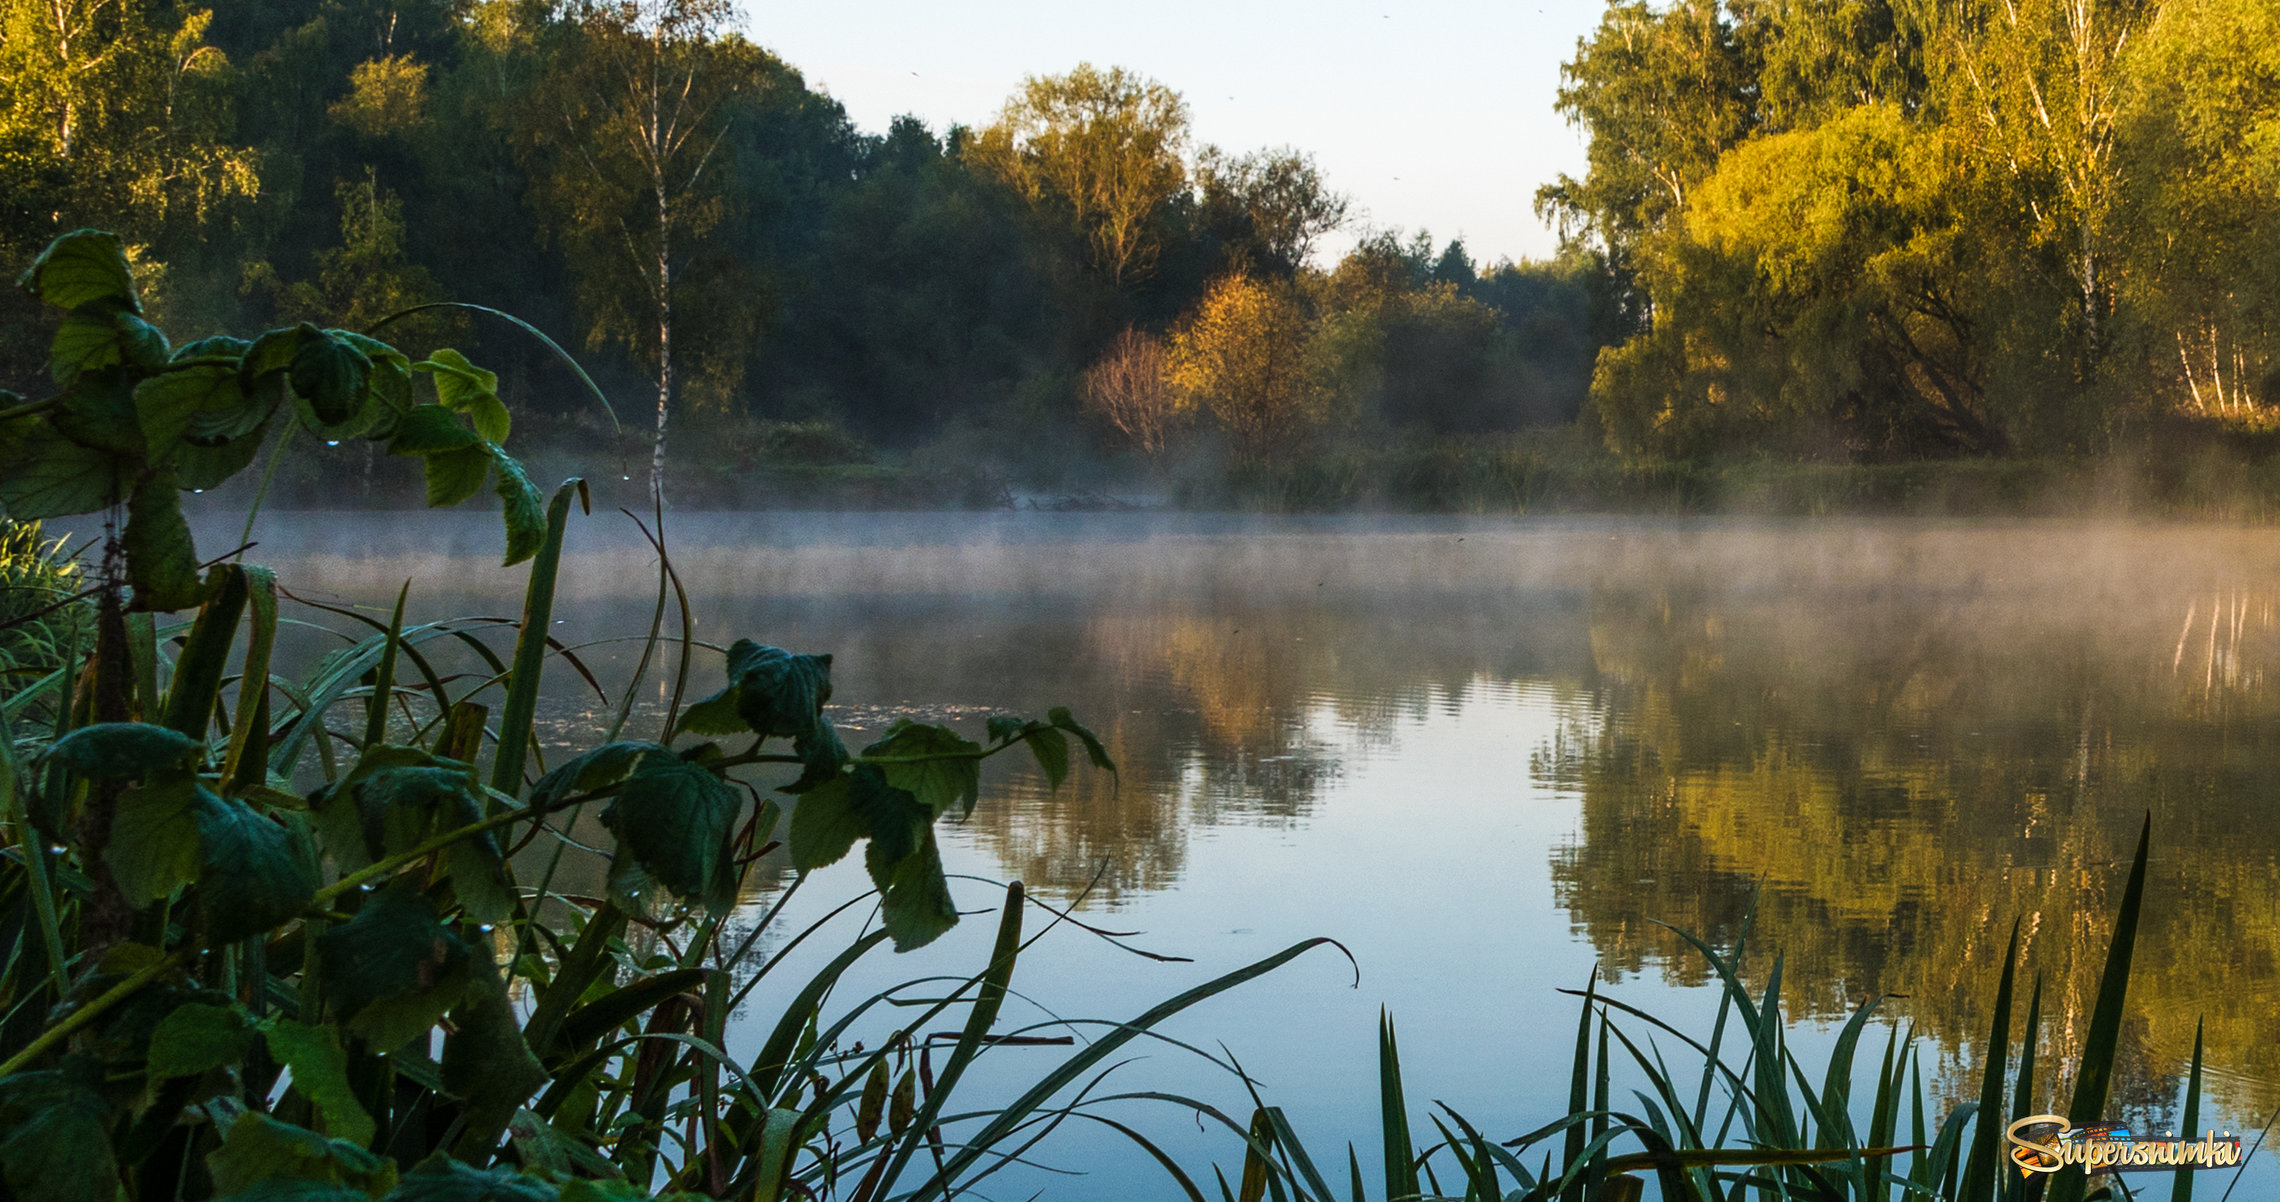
<point x="1079" y="279"/>
<point x="1883" y="229"/>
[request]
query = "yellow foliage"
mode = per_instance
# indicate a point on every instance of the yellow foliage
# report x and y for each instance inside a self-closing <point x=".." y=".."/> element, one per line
<point x="1243" y="357"/>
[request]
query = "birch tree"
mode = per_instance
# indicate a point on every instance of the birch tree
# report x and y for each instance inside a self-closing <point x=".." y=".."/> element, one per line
<point x="628" y="131"/>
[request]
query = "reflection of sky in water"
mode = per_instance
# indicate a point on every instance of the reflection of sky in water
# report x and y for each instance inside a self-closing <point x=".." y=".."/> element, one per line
<point x="1485" y="756"/>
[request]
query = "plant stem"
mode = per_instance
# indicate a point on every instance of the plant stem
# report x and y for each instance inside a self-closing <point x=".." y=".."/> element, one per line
<point x="89" y="1012"/>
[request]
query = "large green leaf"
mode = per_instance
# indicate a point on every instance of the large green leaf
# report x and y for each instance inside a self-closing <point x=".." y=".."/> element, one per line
<point x="154" y="839"/>
<point x="521" y="506"/>
<point x="122" y="750"/>
<point x="166" y="404"/>
<point x="98" y="412"/>
<point x="85" y="340"/>
<point x="824" y="825"/>
<point x="199" y="467"/>
<point x="269" y="358"/>
<point x="258" y="1150"/>
<point x="934" y="764"/>
<point x="395" y="968"/>
<point x="454" y="476"/>
<point x="466" y="388"/>
<point x="775" y="692"/>
<point x="254" y="873"/>
<point x="430" y="429"/>
<point x="916" y="908"/>
<point x="143" y="343"/>
<point x="46" y="475"/>
<point x="320" y="1072"/>
<point x="673" y="819"/>
<point x="82" y="267"/>
<point x="198" y="1037"/>
<point x="55" y="1140"/>
<point x="162" y="562"/>
<point x="330" y="375"/>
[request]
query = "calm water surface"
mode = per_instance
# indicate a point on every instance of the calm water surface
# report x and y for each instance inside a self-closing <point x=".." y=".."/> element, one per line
<point x="1489" y="756"/>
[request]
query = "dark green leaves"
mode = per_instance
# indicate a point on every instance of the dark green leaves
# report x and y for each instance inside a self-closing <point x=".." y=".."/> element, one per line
<point x="934" y="764"/>
<point x="82" y="267"/>
<point x="673" y="820"/>
<point x="330" y="375"/>
<point x="55" y="1140"/>
<point x="400" y="797"/>
<point x="122" y="750"/>
<point x="259" y="1151"/>
<point x="395" y="968"/>
<point x="162" y="562"/>
<point x="45" y="475"/>
<point x="197" y="1038"/>
<point x="168" y="403"/>
<point x="154" y="839"/>
<point x="902" y="859"/>
<point x="254" y="873"/>
<point x="777" y="692"/>
<point x="320" y="1072"/>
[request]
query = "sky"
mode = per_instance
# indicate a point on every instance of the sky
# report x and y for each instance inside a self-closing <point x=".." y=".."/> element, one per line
<point x="1428" y="114"/>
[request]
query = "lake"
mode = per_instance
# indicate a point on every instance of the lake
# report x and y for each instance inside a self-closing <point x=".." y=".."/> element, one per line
<point x="1489" y="755"/>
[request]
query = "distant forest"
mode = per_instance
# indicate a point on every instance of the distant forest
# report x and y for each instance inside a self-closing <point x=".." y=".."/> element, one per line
<point x="1867" y="231"/>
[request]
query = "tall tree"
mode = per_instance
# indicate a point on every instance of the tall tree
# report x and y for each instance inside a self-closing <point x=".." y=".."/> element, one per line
<point x="1103" y="150"/>
<point x="1661" y="93"/>
<point x="627" y="128"/>
<point x="1268" y="208"/>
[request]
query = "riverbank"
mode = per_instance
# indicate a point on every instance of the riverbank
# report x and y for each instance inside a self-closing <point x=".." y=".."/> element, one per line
<point x="2181" y="470"/>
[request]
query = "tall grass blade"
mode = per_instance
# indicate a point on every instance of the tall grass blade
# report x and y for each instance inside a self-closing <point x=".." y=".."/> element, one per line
<point x="384" y="675"/>
<point x="2182" y="1191"/>
<point x="34" y="850"/>
<point x="1986" y="1145"/>
<point x="199" y="669"/>
<point x="2098" y="1046"/>
<point x="245" y="765"/>
<point x="530" y="647"/>
<point x="1579" y="1084"/>
<point x="1393" y="1117"/>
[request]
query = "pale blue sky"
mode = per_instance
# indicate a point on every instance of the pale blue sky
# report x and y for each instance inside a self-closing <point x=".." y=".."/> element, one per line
<point x="1431" y="113"/>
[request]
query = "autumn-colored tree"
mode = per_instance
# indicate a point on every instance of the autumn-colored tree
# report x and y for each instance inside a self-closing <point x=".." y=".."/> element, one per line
<point x="1243" y="357"/>
<point x="1129" y="389"/>
<point x="1100" y="149"/>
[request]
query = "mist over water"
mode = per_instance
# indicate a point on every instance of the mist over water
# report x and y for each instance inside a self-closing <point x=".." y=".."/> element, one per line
<point x="1488" y="755"/>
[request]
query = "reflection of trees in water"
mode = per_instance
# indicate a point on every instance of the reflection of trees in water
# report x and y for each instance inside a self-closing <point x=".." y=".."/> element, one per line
<point x="1894" y="779"/>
